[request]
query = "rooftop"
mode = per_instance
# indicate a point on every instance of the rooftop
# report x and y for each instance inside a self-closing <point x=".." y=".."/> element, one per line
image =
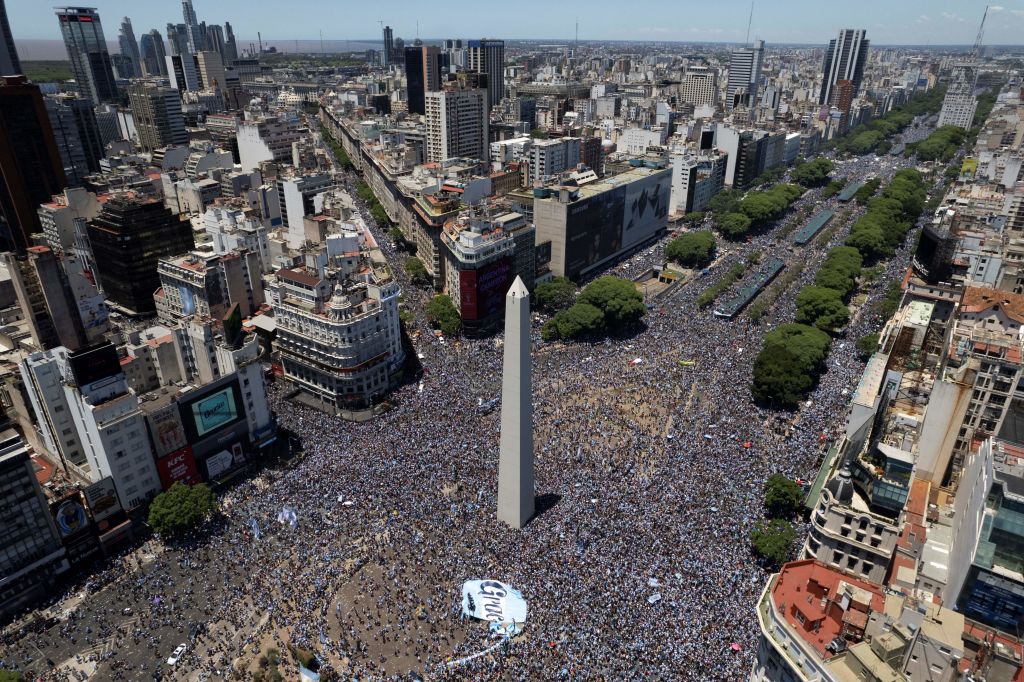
<point x="978" y="299"/>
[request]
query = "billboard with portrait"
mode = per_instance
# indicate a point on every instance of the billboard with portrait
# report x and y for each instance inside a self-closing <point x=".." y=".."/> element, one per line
<point x="70" y="516"/>
<point x="593" y="230"/>
<point x="177" y="467"/>
<point x="482" y="291"/>
<point x="211" y="409"/>
<point x="167" y="430"/>
<point x="102" y="499"/>
<point x="645" y="209"/>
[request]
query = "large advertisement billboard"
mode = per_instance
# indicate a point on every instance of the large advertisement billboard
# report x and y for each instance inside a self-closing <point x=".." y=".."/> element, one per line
<point x="70" y="515"/>
<point x="167" y="430"/>
<point x="92" y="364"/>
<point x="102" y="499"/>
<point x="212" y="411"/>
<point x="177" y="467"/>
<point x="593" y="230"/>
<point x="646" y="209"/>
<point x="482" y="291"/>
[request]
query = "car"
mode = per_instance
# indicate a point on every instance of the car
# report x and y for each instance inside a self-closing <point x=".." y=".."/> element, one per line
<point x="178" y="653"/>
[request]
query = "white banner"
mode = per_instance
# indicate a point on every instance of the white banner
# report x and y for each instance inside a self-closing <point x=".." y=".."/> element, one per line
<point x="493" y="601"/>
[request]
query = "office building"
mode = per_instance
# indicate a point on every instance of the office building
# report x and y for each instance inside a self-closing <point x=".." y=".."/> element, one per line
<point x="422" y="75"/>
<point x="488" y="57"/>
<point x="844" y="61"/>
<point x="388" y="51"/>
<point x="215" y="39"/>
<point x="45" y="297"/>
<point x="31" y="554"/>
<point x="548" y="158"/>
<point x="457" y="124"/>
<point x="9" y="63"/>
<point x="183" y="72"/>
<point x="744" y="76"/>
<point x="87" y="51"/>
<point x="194" y="33"/>
<point x="177" y="39"/>
<point x="158" y="117"/>
<point x="960" y="102"/>
<point x="230" y="45"/>
<point x="696" y="179"/>
<point x="152" y="54"/>
<point x="699" y="86"/>
<point x="207" y="286"/>
<point x="297" y="197"/>
<point x="338" y="335"/>
<point x="129" y="237"/>
<point x="129" y="46"/>
<point x="211" y="70"/>
<point x="76" y="134"/>
<point x="266" y="139"/>
<point x="30" y="166"/>
<point x="591" y="225"/>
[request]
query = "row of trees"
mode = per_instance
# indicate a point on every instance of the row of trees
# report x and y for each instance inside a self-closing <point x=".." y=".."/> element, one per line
<point x="736" y="216"/>
<point x="823" y="304"/>
<point x="812" y="173"/>
<point x="867" y="190"/>
<point x="789" y="364"/>
<point x="608" y="305"/>
<point x="692" y="249"/>
<point x="889" y="217"/>
<point x="339" y="152"/>
<point x="442" y="313"/>
<point x="376" y="209"/>
<point x="773" y="539"/>
<point x="941" y="145"/>
<point x="874" y="135"/>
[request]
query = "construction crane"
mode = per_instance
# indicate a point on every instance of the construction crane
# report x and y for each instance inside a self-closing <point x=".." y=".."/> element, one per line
<point x="981" y="32"/>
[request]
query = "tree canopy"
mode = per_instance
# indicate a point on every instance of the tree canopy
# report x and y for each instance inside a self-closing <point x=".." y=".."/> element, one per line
<point x="556" y="294"/>
<point x="181" y="508"/>
<point x="783" y="497"/>
<point x="692" y="248"/>
<point x="578" y="321"/>
<point x="813" y="173"/>
<point x="733" y="225"/>
<point x="617" y="299"/>
<point x="791" y="358"/>
<point x="417" y="272"/>
<point x="773" y="541"/>
<point x="821" y="307"/>
<point x="840" y="270"/>
<point x="441" y="311"/>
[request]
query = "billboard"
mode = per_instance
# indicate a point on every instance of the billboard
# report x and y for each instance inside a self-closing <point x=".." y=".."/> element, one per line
<point x="225" y="460"/>
<point x="167" y="430"/>
<point x="177" y="467"/>
<point x="102" y="499"/>
<point x="482" y="291"/>
<point x="92" y="364"/>
<point x="70" y="516"/>
<point x="593" y="230"/>
<point x="211" y="411"/>
<point x="646" y="208"/>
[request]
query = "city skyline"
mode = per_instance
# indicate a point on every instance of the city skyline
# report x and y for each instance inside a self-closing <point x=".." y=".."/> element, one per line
<point x="917" y="22"/>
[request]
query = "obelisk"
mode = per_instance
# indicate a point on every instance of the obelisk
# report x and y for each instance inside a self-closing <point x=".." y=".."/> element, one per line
<point x="515" y="464"/>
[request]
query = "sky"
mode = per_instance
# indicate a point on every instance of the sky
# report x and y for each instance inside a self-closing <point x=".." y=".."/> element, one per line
<point x="917" y="22"/>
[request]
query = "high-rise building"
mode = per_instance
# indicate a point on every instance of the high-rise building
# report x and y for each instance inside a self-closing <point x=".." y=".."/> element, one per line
<point x="129" y="46"/>
<point x="488" y="56"/>
<point x="230" y="45"/>
<point x="194" y="33"/>
<point x="215" y="39"/>
<point x="151" y="51"/>
<point x="211" y="70"/>
<point x="158" y="117"/>
<point x="183" y="72"/>
<point x="457" y="123"/>
<point x="129" y="237"/>
<point x="844" y="61"/>
<point x="87" y="50"/>
<point x="45" y="296"/>
<point x="30" y="166"/>
<point x="177" y="38"/>
<point x="9" y="64"/>
<point x="422" y="75"/>
<point x="960" y="102"/>
<point x="744" y="76"/>
<point x="76" y="135"/>
<point x="33" y="554"/>
<point x="297" y="198"/>
<point x="699" y="86"/>
<point x="387" y="54"/>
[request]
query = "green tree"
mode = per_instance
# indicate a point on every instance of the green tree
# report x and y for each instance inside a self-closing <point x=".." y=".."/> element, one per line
<point x="833" y="188"/>
<point x="773" y="541"/>
<point x="821" y="307"/>
<point x="694" y="218"/>
<point x="869" y="240"/>
<point x="617" y="298"/>
<point x="580" y="320"/>
<point x="417" y="272"/>
<point x="692" y="248"/>
<point x="779" y="378"/>
<point x="840" y="270"/>
<point x="556" y="294"/>
<point x="441" y="311"/>
<point x="726" y="201"/>
<point x="734" y="225"/>
<point x="867" y="190"/>
<point x="867" y="345"/>
<point x="813" y="173"/>
<point x="180" y="509"/>
<point x="783" y="497"/>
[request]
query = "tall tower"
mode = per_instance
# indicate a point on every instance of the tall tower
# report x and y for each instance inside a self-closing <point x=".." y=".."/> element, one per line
<point x="744" y="76"/>
<point x="488" y="56"/>
<point x="9" y="64"/>
<point x="515" y="466"/>
<point x="129" y="46"/>
<point x="844" y="61"/>
<point x="388" y="52"/>
<point x="87" y="49"/>
<point x="195" y="33"/>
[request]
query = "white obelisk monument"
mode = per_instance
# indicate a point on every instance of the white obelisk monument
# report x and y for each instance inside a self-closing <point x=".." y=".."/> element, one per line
<point x="515" y="466"/>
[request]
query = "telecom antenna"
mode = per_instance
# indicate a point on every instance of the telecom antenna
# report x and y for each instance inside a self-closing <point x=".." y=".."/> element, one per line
<point x="749" y="22"/>
<point x="576" y="45"/>
<point x="981" y="33"/>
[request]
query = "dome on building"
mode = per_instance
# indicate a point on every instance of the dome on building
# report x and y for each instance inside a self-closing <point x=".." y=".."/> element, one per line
<point x="841" y="486"/>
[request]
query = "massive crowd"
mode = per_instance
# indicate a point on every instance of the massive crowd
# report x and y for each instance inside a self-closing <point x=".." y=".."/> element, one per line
<point x="650" y="478"/>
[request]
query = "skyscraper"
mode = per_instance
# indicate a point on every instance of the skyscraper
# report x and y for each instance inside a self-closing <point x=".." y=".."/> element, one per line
<point x="87" y="50"/>
<point x="960" y="103"/>
<point x="457" y="123"/>
<point x="215" y="39"/>
<point x="230" y="46"/>
<point x="744" y="76"/>
<point x="422" y="75"/>
<point x="158" y="117"/>
<point x="844" y="61"/>
<point x="76" y="135"/>
<point x="129" y="46"/>
<point x="9" y="64"/>
<point x="151" y="50"/>
<point x="194" y="32"/>
<point x="388" y="51"/>
<point x="177" y="38"/>
<point x="488" y="56"/>
<point x="30" y="167"/>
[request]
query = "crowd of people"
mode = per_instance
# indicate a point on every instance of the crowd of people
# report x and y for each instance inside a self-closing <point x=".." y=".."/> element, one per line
<point x="637" y="565"/>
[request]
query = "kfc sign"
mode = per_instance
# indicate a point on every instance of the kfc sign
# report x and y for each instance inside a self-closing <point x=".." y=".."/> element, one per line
<point x="178" y="466"/>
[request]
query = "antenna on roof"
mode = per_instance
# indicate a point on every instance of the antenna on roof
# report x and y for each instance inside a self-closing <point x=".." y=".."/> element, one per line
<point x="576" y="45"/>
<point x="981" y="33"/>
<point x="749" y="21"/>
